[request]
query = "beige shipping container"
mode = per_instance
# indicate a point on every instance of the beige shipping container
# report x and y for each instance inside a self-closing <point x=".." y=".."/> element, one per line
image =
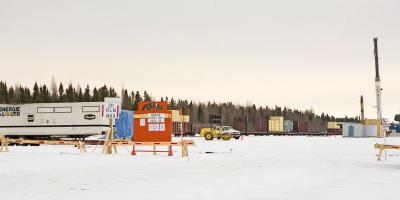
<point x="275" y="124"/>
<point x="276" y="118"/>
<point x="176" y="117"/>
<point x="186" y="118"/>
<point x="333" y="125"/>
<point x="377" y="123"/>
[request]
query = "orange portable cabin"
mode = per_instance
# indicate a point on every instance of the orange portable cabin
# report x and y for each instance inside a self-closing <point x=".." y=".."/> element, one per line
<point x="152" y="122"/>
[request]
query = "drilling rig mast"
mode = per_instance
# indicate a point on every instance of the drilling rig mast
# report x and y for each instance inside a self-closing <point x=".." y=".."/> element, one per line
<point x="378" y="88"/>
<point x="362" y="109"/>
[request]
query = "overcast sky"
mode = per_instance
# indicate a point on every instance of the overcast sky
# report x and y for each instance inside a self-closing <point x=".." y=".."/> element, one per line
<point x="300" y="54"/>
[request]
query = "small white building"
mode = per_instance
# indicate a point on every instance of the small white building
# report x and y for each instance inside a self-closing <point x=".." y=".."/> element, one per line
<point x="358" y="130"/>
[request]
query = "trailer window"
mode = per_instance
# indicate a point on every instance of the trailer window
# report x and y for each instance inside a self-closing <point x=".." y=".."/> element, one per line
<point x="90" y="109"/>
<point x="63" y="110"/>
<point x="45" y="110"/>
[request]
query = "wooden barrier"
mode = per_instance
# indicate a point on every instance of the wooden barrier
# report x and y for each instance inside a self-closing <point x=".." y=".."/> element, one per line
<point x="184" y="144"/>
<point x="6" y="141"/>
<point x="4" y="144"/>
<point x="108" y="149"/>
<point x="383" y="147"/>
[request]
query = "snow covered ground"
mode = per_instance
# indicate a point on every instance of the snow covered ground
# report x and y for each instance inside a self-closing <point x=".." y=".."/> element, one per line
<point x="255" y="168"/>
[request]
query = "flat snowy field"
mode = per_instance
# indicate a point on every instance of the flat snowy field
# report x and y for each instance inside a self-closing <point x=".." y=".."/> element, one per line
<point x="256" y="168"/>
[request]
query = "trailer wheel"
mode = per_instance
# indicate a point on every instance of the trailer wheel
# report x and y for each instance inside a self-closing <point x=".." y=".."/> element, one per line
<point x="208" y="136"/>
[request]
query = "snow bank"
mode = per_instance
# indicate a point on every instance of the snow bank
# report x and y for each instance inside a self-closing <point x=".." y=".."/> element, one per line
<point x="255" y="168"/>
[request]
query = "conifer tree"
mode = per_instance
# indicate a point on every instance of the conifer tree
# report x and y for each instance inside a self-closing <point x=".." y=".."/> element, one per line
<point x="35" y="95"/>
<point x="86" y="95"/>
<point x="69" y="94"/>
<point x="53" y="90"/>
<point x="11" y="94"/>
<point x="126" y="100"/>
<point x="200" y="114"/>
<point x="172" y="104"/>
<point x="61" y="93"/>
<point x="27" y="94"/>
<point x="146" y="96"/>
<point x="103" y="92"/>
<point x="22" y="95"/>
<point x="96" y="95"/>
<point x="80" y="95"/>
<point x="112" y="93"/>
<point x="138" y="98"/>
<point x="45" y="95"/>
<point x="3" y="92"/>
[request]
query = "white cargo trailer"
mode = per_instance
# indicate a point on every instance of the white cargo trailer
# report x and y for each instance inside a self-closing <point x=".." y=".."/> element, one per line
<point x="80" y="119"/>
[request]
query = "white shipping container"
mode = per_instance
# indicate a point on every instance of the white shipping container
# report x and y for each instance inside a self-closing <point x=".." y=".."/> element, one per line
<point x="370" y="131"/>
<point x="353" y="130"/>
<point x="45" y="119"/>
<point x="359" y="130"/>
<point x="287" y="126"/>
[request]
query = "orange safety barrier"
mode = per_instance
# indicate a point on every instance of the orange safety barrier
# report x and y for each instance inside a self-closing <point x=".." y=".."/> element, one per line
<point x="184" y="144"/>
<point x="154" y="151"/>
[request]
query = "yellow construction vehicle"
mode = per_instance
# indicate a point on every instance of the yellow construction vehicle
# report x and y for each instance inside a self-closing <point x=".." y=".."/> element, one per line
<point x="219" y="132"/>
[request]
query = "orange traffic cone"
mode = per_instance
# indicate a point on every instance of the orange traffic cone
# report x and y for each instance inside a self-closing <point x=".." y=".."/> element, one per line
<point x="133" y="153"/>
<point x="170" y="151"/>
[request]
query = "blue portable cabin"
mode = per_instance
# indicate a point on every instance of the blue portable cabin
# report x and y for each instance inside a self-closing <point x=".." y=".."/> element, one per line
<point x="124" y="125"/>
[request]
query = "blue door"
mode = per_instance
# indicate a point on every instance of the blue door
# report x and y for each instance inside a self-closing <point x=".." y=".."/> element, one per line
<point x="351" y="131"/>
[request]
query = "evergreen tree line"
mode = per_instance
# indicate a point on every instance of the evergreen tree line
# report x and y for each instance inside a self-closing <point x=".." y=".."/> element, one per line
<point x="256" y="117"/>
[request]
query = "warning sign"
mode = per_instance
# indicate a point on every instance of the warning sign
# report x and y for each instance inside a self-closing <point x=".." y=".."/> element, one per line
<point x="156" y="118"/>
<point x="111" y="108"/>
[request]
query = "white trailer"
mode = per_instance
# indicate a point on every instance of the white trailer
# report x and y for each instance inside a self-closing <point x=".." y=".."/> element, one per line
<point x="80" y="119"/>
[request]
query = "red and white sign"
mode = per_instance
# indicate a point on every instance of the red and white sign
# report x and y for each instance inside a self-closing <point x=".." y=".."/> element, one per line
<point x="111" y="108"/>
